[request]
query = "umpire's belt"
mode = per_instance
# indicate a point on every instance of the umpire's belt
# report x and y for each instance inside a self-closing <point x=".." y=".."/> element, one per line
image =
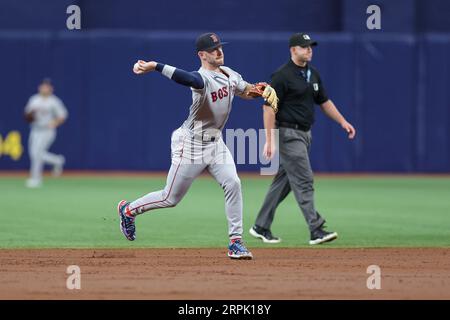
<point x="292" y="126"/>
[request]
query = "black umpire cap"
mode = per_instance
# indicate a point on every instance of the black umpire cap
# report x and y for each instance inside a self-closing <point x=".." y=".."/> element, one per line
<point x="302" y="40"/>
<point x="208" y="42"/>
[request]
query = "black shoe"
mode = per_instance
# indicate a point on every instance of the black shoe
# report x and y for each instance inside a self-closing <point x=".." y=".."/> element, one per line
<point x="319" y="236"/>
<point x="264" y="234"/>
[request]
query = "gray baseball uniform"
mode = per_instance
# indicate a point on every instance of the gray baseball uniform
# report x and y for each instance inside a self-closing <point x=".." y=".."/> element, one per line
<point x="197" y="145"/>
<point x="46" y="110"/>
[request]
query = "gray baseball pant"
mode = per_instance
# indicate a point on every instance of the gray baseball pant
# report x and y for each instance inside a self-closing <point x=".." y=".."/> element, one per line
<point x="39" y="142"/>
<point x="190" y="157"/>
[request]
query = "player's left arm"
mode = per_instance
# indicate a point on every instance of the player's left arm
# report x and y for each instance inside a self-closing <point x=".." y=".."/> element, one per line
<point x="244" y="89"/>
<point x="261" y="89"/>
<point x="245" y="94"/>
<point x="61" y="114"/>
<point x="57" y="122"/>
<point x="329" y="108"/>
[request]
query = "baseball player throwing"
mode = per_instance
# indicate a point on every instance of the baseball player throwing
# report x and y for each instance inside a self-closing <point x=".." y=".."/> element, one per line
<point x="197" y="145"/>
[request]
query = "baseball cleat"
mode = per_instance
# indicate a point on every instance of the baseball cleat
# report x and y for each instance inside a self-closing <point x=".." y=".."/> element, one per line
<point x="58" y="168"/>
<point x="237" y="250"/>
<point x="33" y="183"/>
<point x="264" y="234"/>
<point x="127" y="225"/>
<point x="320" y="236"/>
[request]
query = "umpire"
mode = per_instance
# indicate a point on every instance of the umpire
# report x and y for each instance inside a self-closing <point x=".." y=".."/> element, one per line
<point x="299" y="87"/>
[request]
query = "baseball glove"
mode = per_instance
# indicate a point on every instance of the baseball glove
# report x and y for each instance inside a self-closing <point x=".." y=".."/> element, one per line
<point x="262" y="89"/>
<point x="29" y="117"/>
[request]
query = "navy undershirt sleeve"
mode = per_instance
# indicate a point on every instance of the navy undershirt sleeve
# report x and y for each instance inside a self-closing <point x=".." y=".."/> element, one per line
<point x="190" y="79"/>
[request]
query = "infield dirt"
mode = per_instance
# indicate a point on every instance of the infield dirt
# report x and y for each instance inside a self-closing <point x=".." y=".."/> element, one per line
<point x="192" y="274"/>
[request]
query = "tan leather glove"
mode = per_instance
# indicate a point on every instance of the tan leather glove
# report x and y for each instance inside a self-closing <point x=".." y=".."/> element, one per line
<point x="262" y="89"/>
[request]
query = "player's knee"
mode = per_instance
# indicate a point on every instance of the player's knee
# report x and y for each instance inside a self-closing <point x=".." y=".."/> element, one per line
<point x="34" y="156"/>
<point x="233" y="184"/>
<point x="174" y="199"/>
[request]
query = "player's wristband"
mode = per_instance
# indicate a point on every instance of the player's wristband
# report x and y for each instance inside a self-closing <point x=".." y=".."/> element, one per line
<point x="165" y="69"/>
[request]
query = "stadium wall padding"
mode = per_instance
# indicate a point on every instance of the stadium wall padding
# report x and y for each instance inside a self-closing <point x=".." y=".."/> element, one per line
<point x="392" y="87"/>
<point x="229" y="15"/>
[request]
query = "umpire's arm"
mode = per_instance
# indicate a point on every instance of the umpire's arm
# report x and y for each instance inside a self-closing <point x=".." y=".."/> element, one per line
<point x="279" y="84"/>
<point x="332" y="112"/>
<point x="269" y="126"/>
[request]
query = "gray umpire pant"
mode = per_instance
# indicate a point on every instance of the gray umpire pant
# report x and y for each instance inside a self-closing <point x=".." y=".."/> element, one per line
<point x="294" y="174"/>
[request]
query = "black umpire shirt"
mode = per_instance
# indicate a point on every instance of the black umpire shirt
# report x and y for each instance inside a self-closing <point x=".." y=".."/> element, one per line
<point x="298" y="89"/>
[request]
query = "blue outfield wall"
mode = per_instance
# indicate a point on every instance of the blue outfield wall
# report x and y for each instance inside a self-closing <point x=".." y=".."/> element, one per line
<point x="229" y="15"/>
<point x="392" y="87"/>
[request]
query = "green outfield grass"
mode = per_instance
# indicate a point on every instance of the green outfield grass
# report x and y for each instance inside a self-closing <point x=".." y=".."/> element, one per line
<point x="80" y="212"/>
